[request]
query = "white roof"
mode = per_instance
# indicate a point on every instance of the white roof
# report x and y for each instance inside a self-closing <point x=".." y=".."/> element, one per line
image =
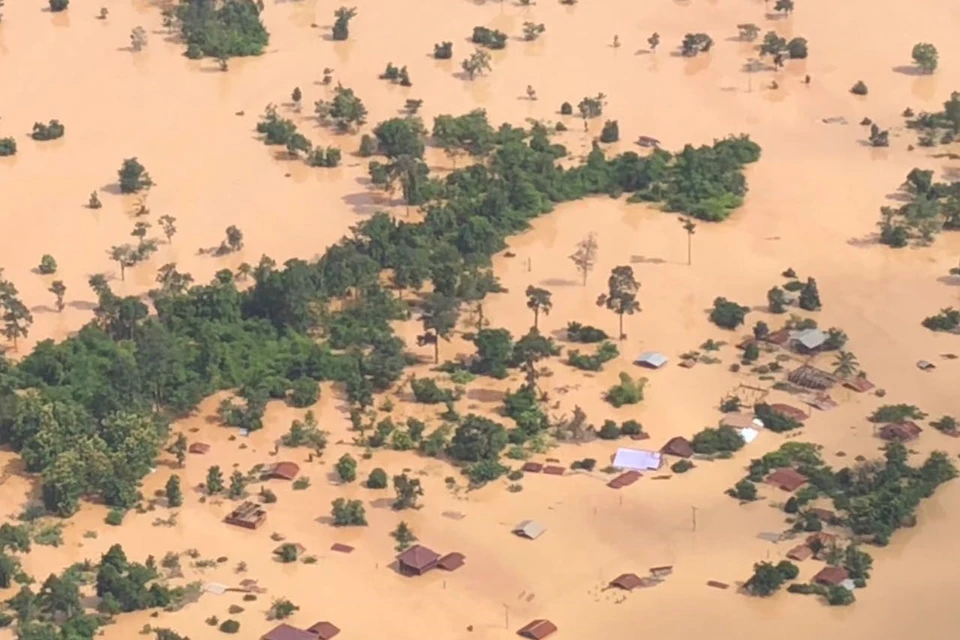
<point x="653" y="359"/>
<point x="530" y="529"/>
<point x="749" y="434"/>
<point x="810" y="338"/>
<point x="637" y="460"/>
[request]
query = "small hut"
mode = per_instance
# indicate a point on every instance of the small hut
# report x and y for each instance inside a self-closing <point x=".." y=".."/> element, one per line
<point x="800" y="553"/>
<point x="417" y="560"/>
<point x="678" y="446"/>
<point x="859" y="384"/>
<point x="532" y="467"/>
<point x="323" y="630"/>
<point x="901" y="431"/>
<point x="529" y="529"/>
<point x="626" y="581"/>
<point x="248" y="515"/>
<point x="281" y="471"/>
<point x="537" y="630"/>
<point x="452" y="561"/>
<point x="199" y="448"/>
<point x="812" y="378"/>
<point x="831" y="576"/>
<point x="787" y="479"/>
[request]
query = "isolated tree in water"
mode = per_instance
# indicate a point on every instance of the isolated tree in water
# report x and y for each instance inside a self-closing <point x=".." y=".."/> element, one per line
<point x="58" y="289"/>
<point x="214" y="480"/>
<point x="585" y="257"/>
<point x="690" y="227"/>
<point x="341" y="25"/>
<point x="478" y="62"/>
<point x="179" y="449"/>
<point x="408" y="491"/>
<point x="784" y="6"/>
<point x="845" y="364"/>
<point x="133" y="176"/>
<point x="125" y="256"/>
<point x="621" y="296"/>
<point x="404" y="536"/>
<point x="169" y="226"/>
<point x="538" y="300"/>
<point x="926" y="56"/>
<point x="809" y="296"/>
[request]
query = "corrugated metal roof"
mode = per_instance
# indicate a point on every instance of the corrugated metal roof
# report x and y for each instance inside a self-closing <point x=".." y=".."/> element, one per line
<point x="653" y="359"/>
<point x="530" y="529"/>
<point x="637" y="459"/>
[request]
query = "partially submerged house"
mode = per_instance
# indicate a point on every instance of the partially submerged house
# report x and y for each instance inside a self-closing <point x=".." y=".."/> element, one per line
<point x="900" y="431"/>
<point x="199" y="448"/>
<point x="787" y="479"/>
<point x="532" y="467"/>
<point x="678" y="446"/>
<point x="790" y="411"/>
<point x="740" y="421"/>
<point x="637" y="460"/>
<point x="627" y="581"/>
<point x="625" y="479"/>
<point x="812" y="378"/>
<point x="417" y="560"/>
<point x="248" y="515"/>
<point x="831" y="576"/>
<point x="529" y="529"/>
<point x="288" y="632"/>
<point x="323" y="630"/>
<point x="537" y="630"/>
<point x="800" y="553"/>
<point x="281" y="471"/>
<point x="808" y="340"/>
<point x="452" y="561"/>
<point x="651" y="360"/>
<point x="860" y="384"/>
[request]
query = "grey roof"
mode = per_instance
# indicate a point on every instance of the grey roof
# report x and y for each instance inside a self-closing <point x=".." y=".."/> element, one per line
<point x="653" y="359"/>
<point x="810" y="338"/>
<point x="530" y="529"/>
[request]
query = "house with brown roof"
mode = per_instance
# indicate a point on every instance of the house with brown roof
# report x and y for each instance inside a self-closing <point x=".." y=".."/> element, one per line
<point x="288" y="632"/>
<point x="791" y="412"/>
<point x="800" y="553"/>
<point x="824" y="515"/>
<point x="900" y="431"/>
<point x="417" y="560"/>
<point x="859" y="384"/>
<point x="537" y="630"/>
<point x="532" y="467"/>
<point x="199" y="448"/>
<point x="281" y="471"/>
<point x="779" y="337"/>
<point x="678" y="446"/>
<point x="625" y="479"/>
<point x="248" y="515"/>
<point x="831" y="576"/>
<point x="627" y="581"/>
<point x="452" y="561"/>
<point x="323" y="630"/>
<point x="786" y="479"/>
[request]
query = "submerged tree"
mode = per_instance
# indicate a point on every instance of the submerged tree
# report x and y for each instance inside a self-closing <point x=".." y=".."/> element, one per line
<point x="690" y="227"/>
<point x="439" y="318"/>
<point x="585" y="257"/>
<point x="538" y="300"/>
<point x="58" y="289"/>
<point x="478" y="62"/>
<point x="346" y="110"/>
<point x="926" y="56"/>
<point x="341" y="24"/>
<point x="621" y="295"/>
<point x="133" y="176"/>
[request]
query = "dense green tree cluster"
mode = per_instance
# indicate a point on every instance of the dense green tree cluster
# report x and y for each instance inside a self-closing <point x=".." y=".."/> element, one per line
<point x="932" y="207"/>
<point x="489" y="38"/>
<point x="717" y="440"/>
<point x="220" y="30"/>
<point x="595" y="361"/>
<point x="125" y="586"/>
<point x="8" y="147"/>
<point x="767" y="577"/>
<point x="50" y="131"/>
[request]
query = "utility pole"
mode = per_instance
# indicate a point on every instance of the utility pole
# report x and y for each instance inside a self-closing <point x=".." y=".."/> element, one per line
<point x="506" y="617"/>
<point x="694" y="509"/>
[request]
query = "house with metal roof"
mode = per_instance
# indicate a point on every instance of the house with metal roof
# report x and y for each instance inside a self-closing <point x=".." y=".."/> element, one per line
<point x="651" y="359"/>
<point x="637" y="460"/>
<point x="530" y="529"/>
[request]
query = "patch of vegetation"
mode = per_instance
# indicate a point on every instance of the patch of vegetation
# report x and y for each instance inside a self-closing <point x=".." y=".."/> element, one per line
<point x="767" y="577"/>
<point x="712" y="440"/>
<point x="489" y="38"/>
<point x="50" y="131"/>
<point x="896" y="413"/>
<point x="681" y="466"/>
<point x="348" y="513"/>
<point x="694" y="43"/>
<point x="427" y="391"/>
<point x="8" y="147"/>
<point x="595" y="361"/>
<point x="219" y="30"/>
<point x="947" y="320"/>
<point x="727" y="314"/>
<point x="443" y="50"/>
<point x="585" y="334"/>
<point x="628" y="391"/>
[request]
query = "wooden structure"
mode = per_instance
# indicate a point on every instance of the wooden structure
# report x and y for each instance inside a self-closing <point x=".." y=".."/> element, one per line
<point x="812" y="378"/>
<point x="553" y="470"/>
<point x="678" y="446"/>
<point x="831" y="576"/>
<point x="627" y="581"/>
<point x="786" y="479"/>
<point x="417" y="560"/>
<point x="900" y="431"/>
<point x="323" y="630"/>
<point x="859" y="384"/>
<point x="800" y="553"/>
<point x="281" y="471"/>
<point x="248" y="515"/>
<point x="532" y="467"/>
<point x="341" y="548"/>
<point x="452" y="561"/>
<point x="537" y="630"/>
<point x="199" y="448"/>
<point x="625" y="479"/>
<point x="661" y="572"/>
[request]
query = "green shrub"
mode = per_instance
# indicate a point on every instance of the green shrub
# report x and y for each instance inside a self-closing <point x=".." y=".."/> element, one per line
<point x="58" y="5"/>
<point x="631" y="428"/>
<point x="229" y="626"/>
<point x="585" y="334"/>
<point x="427" y="391"/>
<point x="8" y="147"/>
<point x="610" y="132"/>
<point x="305" y="392"/>
<point x="50" y="131"/>
<point x="115" y="517"/>
<point x="566" y="109"/>
<point x="609" y="431"/>
<point x="48" y="265"/>
<point x="859" y="89"/>
<point x="443" y="50"/>
<point x="629" y="391"/>
<point x="377" y="479"/>
<point x="681" y="466"/>
<point x="490" y="38"/>
<point x="727" y="314"/>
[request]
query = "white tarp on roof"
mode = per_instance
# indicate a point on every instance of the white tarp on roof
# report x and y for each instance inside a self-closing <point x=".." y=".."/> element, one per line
<point x="637" y="460"/>
<point x="749" y="434"/>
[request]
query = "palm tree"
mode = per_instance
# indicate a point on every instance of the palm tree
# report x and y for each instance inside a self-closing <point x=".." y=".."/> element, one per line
<point x="845" y="364"/>
<point x="690" y="227"/>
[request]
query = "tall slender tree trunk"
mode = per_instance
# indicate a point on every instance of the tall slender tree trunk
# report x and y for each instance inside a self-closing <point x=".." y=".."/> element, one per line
<point x="621" y="327"/>
<point x="536" y="318"/>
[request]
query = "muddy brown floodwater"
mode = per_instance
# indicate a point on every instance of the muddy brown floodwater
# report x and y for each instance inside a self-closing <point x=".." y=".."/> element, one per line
<point x="813" y="204"/>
